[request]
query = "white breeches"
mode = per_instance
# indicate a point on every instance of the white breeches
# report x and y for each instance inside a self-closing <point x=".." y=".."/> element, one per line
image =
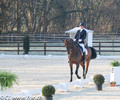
<point x="84" y="49"/>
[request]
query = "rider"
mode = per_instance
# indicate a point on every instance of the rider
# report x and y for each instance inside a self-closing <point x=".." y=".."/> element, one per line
<point x="80" y="37"/>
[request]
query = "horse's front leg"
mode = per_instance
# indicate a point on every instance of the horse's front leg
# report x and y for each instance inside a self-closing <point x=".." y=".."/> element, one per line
<point x="71" y="72"/>
<point x="76" y="72"/>
<point x="84" y="73"/>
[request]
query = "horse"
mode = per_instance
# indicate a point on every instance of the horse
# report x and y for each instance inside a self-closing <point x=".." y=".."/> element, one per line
<point x="75" y="57"/>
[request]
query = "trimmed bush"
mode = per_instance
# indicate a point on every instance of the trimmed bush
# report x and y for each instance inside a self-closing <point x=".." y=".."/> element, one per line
<point x="115" y="63"/>
<point x="26" y="44"/>
<point x="48" y="90"/>
<point x="99" y="79"/>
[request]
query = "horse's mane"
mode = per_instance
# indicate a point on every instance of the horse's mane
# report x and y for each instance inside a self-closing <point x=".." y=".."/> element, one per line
<point x="79" y="49"/>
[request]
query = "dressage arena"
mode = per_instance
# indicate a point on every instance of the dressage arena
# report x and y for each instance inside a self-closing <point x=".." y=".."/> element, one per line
<point x="36" y="71"/>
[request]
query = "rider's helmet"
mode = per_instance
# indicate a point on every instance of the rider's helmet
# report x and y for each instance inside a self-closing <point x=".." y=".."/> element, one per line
<point x="81" y="24"/>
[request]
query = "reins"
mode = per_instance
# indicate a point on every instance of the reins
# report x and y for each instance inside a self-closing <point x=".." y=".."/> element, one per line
<point x="71" y="48"/>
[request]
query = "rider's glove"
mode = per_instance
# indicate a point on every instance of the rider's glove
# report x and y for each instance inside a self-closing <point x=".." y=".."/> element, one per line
<point x="74" y="39"/>
<point x="79" y="40"/>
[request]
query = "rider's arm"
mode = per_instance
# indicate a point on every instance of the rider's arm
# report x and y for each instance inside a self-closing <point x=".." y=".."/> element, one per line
<point x="84" y="36"/>
<point x="77" y="36"/>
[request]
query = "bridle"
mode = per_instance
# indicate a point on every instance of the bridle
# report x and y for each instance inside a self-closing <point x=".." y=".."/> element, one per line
<point x="69" y="47"/>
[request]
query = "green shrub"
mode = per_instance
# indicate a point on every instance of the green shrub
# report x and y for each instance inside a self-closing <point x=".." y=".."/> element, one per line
<point x="7" y="79"/>
<point x="26" y="44"/>
<point x="115" y="63"/>
<point x="99" y="79"/>
<point x="48" y="90"/>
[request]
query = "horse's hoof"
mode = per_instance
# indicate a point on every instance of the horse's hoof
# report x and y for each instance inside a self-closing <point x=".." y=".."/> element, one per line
<point x="70" y="80"/>
<point x="79" y="77"/>
<point x="84" y="77"/>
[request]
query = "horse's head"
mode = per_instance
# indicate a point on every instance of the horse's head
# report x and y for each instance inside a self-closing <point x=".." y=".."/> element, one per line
<point x="69" y="45"/>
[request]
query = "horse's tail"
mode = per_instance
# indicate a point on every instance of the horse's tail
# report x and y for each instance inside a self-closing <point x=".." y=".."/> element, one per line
<point x="94" y="54"/>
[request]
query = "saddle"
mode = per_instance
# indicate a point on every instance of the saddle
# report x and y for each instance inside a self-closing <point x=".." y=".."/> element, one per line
<point x="80" y="48"/>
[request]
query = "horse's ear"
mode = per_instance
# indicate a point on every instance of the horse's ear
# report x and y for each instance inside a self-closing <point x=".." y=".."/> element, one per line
<point x="63" y="40"/>
<point x="66" y="40"/>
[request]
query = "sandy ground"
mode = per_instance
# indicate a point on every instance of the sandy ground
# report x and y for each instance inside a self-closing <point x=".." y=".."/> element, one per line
<point x="35" y="72"/>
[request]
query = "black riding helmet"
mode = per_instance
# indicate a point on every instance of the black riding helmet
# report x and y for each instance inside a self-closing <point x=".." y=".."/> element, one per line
<point x="81" y="24"/>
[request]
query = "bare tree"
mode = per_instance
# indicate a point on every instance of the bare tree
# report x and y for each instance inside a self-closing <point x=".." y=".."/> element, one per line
<point x="36" y="16"/>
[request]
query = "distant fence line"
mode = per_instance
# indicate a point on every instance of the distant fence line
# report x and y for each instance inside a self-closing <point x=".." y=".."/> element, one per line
<point x="44" y="47"/>
<point x="52" y="36"/>
<point x="34" y="37"/>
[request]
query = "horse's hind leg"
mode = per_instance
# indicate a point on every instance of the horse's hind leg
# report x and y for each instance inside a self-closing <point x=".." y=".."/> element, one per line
<point x="87" y="65"/>
<point x="76" y="72"/>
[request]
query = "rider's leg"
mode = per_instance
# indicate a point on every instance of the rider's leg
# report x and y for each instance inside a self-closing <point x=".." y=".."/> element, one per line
<point x="84" y="49"/>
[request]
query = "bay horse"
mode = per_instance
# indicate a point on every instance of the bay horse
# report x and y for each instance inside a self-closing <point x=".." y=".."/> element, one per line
<point x="75" y="57"/>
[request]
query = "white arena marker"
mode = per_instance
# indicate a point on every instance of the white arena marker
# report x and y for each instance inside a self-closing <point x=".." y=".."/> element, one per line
<point x="32" y="92"/>
<point x="107" y="77"/>
<point x="62" y="87"/>
<point x="79" y="83"/>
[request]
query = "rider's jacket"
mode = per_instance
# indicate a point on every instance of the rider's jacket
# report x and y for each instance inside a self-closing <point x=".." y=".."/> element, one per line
<point x="80" y="36"/>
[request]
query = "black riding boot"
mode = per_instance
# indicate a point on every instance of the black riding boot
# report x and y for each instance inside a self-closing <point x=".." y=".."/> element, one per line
<point x="83" y="57"/>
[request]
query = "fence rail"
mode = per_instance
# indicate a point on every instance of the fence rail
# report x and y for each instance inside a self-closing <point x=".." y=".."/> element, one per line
<point x="52" y="36"/>
<point x="45" y="47"/>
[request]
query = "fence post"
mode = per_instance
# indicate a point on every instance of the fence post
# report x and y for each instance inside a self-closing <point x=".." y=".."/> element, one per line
<point x="18" y="48"/>
<point x="44" y="48"/>
<point x="99" y="48"/>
